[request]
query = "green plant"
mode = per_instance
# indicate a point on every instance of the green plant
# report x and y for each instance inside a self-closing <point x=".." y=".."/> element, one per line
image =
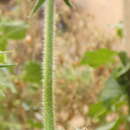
<point x="98" y="57"/>
<point x="116" y="93"/>
<point x="9" y="30"/>
<point x="47" y="66"/>
<point x="119" y="28"/>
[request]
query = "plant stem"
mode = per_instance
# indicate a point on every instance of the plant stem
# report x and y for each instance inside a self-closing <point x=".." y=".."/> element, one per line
<point x="128" y="121"/>
<point x="48" y="108"/>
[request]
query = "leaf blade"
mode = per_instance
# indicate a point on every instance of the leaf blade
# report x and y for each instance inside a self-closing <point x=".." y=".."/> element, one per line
<point x="68" y="3"/>
<point x="98" y="57"/>
<point x="37" y="5"/>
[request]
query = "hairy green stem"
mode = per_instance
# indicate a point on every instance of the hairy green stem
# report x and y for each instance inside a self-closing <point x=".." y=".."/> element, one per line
<point x="48" y="108"/>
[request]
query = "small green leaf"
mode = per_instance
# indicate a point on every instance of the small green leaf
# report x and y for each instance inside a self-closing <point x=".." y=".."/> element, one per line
<point x="120" y="71"/>
<point x="32" y="72"/>
<point x="111" y="90"/>
<point x="97" y="110"/>
<point x="119" y="30"/>
<point x="37" y="5"/>
<point x="3" y="59"/>
<point x="124" y="57"/>
<point x="68" y="3"/>
<point x="13" y="30"/>
<point x="99" y="57"/>
<point x="35" y="124"/>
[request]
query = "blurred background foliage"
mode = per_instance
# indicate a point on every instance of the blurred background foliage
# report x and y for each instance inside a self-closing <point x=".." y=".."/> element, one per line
<point x="77" y="83"/>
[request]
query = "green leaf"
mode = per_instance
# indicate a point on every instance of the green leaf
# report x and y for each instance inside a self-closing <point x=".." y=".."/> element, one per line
<point x="111" y="90"/>
<point x="2" y="58"/>
<point x="99" y="57"/>
<point x="97" y="110"/>
<point x="124" y="79"/>
<point x="108" y="126"/>
<point x="124" y="57"/>
<point x="37" y="5"/>
<point x="68" y="3"/>
<point x="35" y="124"/>
<point x="32" y="72"/>
<point x="6" y="65"/>
<point x="3" y="43"/>
<point x="120" y="71"/>
<point x="112" y="125"/>
<point x="14" y="30"/>
<point x="119" y="30"/>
